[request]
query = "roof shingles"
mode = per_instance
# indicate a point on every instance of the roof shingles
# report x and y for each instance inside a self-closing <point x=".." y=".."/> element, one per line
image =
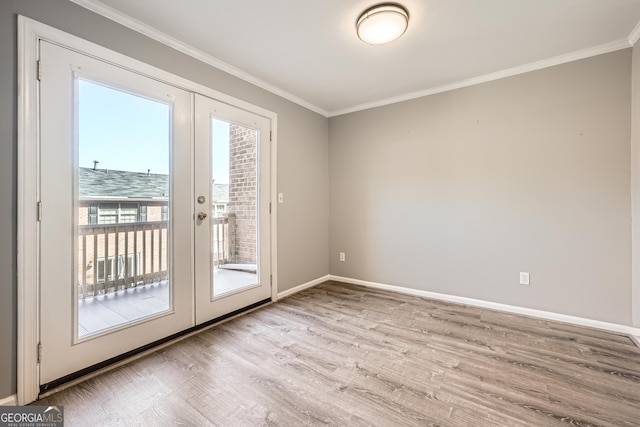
<point x="102" y="183"/>
<point x="115" y="184"/>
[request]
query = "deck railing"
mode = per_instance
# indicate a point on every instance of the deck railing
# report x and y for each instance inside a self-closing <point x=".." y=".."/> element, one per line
<point x="118" y="256"/>
<point x="224" y="239"/>
<point x="112" y="257"/>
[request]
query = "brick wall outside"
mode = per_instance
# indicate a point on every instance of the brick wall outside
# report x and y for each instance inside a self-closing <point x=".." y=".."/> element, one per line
<point x="243" y="190"/>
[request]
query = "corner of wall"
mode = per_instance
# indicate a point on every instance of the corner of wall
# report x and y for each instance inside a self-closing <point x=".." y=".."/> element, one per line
<point x="635" y="185"/>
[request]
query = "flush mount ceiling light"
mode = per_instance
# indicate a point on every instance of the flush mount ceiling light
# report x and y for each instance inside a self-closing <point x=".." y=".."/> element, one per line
<point x="382" y="23"/>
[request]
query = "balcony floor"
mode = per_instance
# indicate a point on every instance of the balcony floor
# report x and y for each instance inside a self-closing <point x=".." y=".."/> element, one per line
<point x="231" y="280"/>
<point x="102" y="312"/>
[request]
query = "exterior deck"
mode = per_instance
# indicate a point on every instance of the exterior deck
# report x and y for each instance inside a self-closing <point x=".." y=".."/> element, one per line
<point x="123" y="271"/>
<point x="109" y="310"/>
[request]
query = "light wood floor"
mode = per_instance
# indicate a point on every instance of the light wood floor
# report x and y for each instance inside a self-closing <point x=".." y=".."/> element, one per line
<point x="346" y="355"/>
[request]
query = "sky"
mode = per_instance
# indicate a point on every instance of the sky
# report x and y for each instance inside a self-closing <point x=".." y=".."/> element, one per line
<point x="131" y="133"/>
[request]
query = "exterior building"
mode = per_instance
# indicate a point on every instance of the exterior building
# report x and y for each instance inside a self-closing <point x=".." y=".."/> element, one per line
<point x="122" y="229"/>
<point x="122" y="226"/>
<point x="116" y="197"/>
<point x="123" y="220"/>
<point x="219" y="200"/>
<point x="243" y="191"/>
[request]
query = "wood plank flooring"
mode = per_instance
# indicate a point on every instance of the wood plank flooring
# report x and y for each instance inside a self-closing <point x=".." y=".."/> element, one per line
<point x="340" y="354"/>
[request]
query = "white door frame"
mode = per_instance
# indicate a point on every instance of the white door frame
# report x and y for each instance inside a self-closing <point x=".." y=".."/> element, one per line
<point x="30" y="32"/>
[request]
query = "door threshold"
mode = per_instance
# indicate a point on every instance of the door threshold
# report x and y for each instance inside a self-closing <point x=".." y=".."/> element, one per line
<point x="75" y="378"/>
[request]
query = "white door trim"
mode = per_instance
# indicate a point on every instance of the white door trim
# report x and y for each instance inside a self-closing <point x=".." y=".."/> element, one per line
<point x="28" y="314"/>
<point x="29" y="34"/>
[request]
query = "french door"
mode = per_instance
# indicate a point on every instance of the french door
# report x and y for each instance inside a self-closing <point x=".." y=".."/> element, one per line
<point x="154" y="209"/>
<point x="232" y="181"/>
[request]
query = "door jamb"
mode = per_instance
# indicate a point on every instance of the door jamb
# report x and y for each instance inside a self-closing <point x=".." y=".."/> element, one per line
<point x="28" y="229"/>
<point x="30" y="32"/>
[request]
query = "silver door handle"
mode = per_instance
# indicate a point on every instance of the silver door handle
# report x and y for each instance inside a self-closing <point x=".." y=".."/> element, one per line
<point x="202" y="216"/>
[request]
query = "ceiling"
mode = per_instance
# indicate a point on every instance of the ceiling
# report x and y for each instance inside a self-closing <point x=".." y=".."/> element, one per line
<point x="307" y="50"/>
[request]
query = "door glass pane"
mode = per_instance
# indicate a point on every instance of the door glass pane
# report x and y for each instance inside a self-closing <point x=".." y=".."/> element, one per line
<point x="122" y="206"/>
<point x="234" y="202"/>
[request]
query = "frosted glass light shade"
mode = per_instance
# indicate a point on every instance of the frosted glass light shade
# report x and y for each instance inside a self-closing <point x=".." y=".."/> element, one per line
<point x="382" y="23"/>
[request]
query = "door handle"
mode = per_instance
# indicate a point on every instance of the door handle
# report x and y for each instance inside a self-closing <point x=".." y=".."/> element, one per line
<point x="202" y="216"/>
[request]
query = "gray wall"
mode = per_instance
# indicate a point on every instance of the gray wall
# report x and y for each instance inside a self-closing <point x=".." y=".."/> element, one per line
<point x="458" y="192"/>
<point x="302" y="153"/>
<point x="635" y="183"/>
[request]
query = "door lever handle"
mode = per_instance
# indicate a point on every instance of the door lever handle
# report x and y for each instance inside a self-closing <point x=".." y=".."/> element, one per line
<point x="202" y="216"/>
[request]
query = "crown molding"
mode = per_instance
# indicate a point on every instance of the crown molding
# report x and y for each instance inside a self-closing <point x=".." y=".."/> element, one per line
<point x="142" y="28"/>
<point x="509" y="72"/>
<point x="635" y="34"/>
<point x="101" y="9"/>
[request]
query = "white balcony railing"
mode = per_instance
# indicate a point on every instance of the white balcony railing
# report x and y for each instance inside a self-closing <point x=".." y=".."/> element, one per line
<point x="112" y="257"/>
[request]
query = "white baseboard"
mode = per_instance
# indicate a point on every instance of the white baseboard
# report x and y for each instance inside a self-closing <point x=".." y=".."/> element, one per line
<point x="580" y="321"/>
<point x="9" y="401"/>
<point x="302" y="287"/>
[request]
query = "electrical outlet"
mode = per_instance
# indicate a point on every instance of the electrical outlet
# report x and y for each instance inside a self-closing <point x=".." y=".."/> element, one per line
<point x="342" y="257"/>
<point x="524" y="278"/>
